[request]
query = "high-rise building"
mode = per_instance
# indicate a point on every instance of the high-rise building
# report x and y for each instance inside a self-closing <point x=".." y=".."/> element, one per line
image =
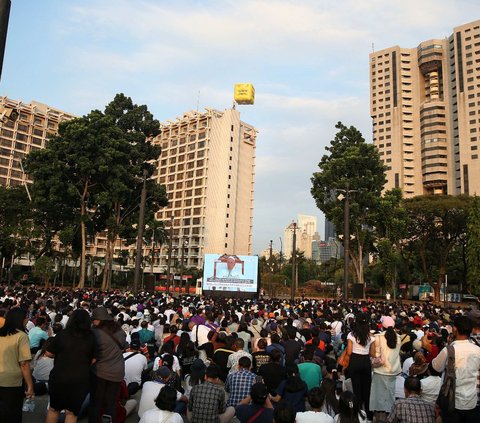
<point x="307" y="224"/>
<point x="207" y="165"/>
<point x="330" y="231"/>
<point x="425" y="106"/>
<point x="36" y="123"/>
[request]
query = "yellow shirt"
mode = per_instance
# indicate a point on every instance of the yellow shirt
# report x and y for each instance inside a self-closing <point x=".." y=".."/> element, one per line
<point x="13" y="350"/>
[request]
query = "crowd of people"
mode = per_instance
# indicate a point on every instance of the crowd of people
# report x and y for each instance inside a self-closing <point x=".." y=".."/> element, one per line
<point x="210" y="360"/>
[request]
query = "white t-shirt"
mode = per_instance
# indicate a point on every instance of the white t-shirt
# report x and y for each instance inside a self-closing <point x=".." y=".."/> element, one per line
<point x="362" y="417"/>
<point x="150" y="392"/>
<point x="313" y="417"/>
<point x="134" y="367"/>
<point x="155" y="415"/>
<point x="406" y="365"/>
<point x="176" y="364"/>
<point x="203" y="332"/>
<point x="357" y="348"/>
<point x="430" y="388"/>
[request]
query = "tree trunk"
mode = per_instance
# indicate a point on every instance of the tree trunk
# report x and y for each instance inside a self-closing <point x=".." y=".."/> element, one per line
<point x="106" y="264"/>
<point x="81" y="282"/>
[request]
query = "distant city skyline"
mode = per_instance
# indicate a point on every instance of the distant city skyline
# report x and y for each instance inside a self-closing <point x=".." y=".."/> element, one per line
<point x="309" y="62"/>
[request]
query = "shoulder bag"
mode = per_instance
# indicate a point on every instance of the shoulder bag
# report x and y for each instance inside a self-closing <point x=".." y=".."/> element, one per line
<point x="446" y="396"/>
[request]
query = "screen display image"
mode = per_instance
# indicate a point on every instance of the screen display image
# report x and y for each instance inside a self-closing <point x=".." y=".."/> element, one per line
<point x="224" y="272"/>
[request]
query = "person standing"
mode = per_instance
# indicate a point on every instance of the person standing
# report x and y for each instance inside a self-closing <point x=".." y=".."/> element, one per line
<point x="109" y="369"/>
<point x="73" y="352"/>
<point x="467" y="364"/>
<point x="360" y="369"/>
<point x="14" y="366"/>
<point x="385" y="349"/>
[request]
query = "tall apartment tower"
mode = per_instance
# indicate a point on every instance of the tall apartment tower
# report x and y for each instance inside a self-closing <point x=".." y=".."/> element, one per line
<point x="208" y="167"/>
<point x="425" y="106"/>
<point x="36" y="123"/>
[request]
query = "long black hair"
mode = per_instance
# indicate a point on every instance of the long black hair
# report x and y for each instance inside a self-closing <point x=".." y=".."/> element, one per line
<point x="294" y="382"/>
<point x="328" y="388"/>
<point x="14" y="321"/>
<point x="348" y="408"/>
<point x="391" y="337"/>
<point x="361" y="330"/>
<point x="78" y="323"/>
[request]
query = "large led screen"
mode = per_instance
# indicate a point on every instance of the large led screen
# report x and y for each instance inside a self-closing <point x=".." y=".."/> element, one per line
<point x="224" y="272"/>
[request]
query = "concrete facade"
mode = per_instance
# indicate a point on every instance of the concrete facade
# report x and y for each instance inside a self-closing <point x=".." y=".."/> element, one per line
<point x="208" y="167"/>
<point x="425" y="106"/>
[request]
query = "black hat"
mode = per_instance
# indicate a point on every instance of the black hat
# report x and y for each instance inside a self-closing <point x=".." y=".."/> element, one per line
<point x="101" y="313"/>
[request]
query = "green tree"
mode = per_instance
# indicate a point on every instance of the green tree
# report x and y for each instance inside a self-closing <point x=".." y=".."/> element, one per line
<point x="391" y="223"/>
<point x="437" y="224"/>
<point x="132" y="154"/>
<point x="43" y="269"/>
<point x="71" y="169"/>
<point x="351" y="164"/>
<point x="473" y="246"/>
<point x="18" y="234"/>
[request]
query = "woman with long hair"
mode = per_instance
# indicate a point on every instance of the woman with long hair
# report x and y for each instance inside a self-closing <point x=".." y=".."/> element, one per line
<point x="330" y="401"/>
<point x="293" y="389"/>
<point x="164" y="408"/>
<point x="184" y="340"/>
<point x="109" y="368"/>
<point x="385" y="353"/>
<point x="189" y="354"/>
<point x="14" y="366"/>
<point x="349" y="410"/>
<point x="359" y="369"/>
<point x="73" y="350"/>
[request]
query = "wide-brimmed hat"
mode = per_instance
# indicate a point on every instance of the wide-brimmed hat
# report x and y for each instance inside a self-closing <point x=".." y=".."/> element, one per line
<point x="101" y="313"/>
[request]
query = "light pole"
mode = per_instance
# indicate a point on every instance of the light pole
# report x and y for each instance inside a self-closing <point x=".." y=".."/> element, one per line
<point x="169" y="258"/>
<point x="141" y="224"/>
<point x="346" y="237"/>
<point x="294" y="253"/>
<point x="281" y="252"/>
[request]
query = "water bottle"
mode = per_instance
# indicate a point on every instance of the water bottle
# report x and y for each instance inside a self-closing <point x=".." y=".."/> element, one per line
<point x="29" y="405"/>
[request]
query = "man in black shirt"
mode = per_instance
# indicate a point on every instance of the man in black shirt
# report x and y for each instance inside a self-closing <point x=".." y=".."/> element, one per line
<point x="273" y="373"/>
<point x="292" y="346"/>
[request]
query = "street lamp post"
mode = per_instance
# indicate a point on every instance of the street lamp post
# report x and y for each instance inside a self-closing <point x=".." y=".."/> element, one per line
<point x="169" y="258"/>
<point x="294" y="253"/>
<point x="346" y="237"/>
<point x="141" y="224"/>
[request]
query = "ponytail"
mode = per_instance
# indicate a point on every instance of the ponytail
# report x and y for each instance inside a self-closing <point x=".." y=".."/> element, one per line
<point x="391" y="337"/>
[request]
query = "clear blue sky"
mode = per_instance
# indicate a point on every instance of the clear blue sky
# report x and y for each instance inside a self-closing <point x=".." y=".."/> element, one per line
<point x="308" y="60"/>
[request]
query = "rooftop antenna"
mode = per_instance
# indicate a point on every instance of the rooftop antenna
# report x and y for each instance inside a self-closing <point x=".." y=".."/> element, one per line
<point x="373" y="47"/>
<point x="198" y="99"/>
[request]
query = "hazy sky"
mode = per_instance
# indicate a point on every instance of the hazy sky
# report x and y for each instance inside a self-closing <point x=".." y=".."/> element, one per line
<point x="308" y="60"/>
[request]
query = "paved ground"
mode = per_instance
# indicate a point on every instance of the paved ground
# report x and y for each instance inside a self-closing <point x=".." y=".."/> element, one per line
<point x="38" y="416"/>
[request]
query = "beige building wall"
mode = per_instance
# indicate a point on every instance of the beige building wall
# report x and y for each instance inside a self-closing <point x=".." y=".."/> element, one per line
<point x="36" y="123"/>
<point x="424" y="103"/>
<point x="208" y="167"/>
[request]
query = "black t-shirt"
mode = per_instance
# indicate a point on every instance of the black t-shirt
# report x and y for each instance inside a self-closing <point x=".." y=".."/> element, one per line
<point x="73" y="356"/>
<point x="272" y="374"/>
<point x="220" y="358"/>
<point x="292" y="350"/>
<point x="259" y="359"/>
<point x="245" y="412"/>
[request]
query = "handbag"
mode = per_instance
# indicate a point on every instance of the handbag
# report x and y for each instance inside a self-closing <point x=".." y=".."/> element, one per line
<point x="446" y="396"/>
<point x="344" y="359"/>
<point x="379" y="360"/>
